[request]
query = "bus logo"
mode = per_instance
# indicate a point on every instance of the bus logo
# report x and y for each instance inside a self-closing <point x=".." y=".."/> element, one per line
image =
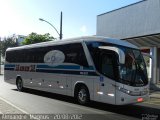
<point x="31" y="68"/>
<point x="54" y="57"/>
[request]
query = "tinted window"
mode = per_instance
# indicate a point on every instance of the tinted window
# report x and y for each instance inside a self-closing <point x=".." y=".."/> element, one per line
<point x="74" y="53"/>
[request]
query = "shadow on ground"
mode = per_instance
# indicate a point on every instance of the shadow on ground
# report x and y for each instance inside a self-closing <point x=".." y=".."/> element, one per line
<point x="136" y="111"/>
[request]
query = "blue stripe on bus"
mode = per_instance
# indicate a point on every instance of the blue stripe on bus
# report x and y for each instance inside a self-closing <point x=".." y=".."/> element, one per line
<point x="68" y="72"/>
<point x="59" y="67"/>
<point x="88" y="68"/>
<point x="9" y="66"/>
<point x="75" y="67"/>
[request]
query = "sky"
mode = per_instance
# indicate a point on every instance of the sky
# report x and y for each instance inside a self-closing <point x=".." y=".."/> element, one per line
<point x="21" y="17"/>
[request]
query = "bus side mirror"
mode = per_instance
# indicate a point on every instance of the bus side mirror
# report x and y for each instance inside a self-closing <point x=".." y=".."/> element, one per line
<point x="117" y="50"/>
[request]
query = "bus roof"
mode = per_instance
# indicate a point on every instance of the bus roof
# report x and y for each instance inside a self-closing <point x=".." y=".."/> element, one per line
<point x="75" y="40"/>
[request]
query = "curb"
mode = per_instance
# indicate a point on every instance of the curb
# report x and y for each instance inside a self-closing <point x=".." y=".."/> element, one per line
<point x="155" y="97"/>
<point x="154" y="94"/>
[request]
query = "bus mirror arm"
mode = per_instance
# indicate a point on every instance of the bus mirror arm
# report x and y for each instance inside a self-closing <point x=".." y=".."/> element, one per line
<point x="120" y="52"/>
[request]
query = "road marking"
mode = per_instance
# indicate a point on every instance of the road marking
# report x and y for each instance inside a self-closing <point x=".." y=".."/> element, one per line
<point x="13" y="105"/>
<point x="16" y="108"/>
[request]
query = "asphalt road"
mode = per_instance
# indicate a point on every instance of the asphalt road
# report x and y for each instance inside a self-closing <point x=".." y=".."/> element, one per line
<point x="38" y="102"/>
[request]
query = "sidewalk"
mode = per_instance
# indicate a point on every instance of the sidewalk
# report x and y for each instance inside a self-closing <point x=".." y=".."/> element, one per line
<point x="155" y="94"/>
<point x="155" y="91"/>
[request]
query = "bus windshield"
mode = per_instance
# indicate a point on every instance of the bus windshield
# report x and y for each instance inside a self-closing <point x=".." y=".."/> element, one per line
<point x="133" y="71"/>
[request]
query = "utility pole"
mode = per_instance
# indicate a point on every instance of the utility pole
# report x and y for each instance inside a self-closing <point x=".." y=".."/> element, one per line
<point x="59" y="33"/>
<point x="61" y="26"/>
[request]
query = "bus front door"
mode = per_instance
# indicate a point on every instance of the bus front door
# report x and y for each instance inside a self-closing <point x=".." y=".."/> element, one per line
<point x="105" y="84"/>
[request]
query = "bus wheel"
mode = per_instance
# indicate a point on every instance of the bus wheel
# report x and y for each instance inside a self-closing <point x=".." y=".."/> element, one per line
<point x="83" y="95"/>
<point x="19" y="84"/>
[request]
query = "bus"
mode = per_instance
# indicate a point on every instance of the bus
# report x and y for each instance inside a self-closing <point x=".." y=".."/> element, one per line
<point x="87" y="68"/>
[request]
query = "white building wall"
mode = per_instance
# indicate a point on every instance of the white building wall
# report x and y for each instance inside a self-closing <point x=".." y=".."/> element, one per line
<point x="134" y="20"/>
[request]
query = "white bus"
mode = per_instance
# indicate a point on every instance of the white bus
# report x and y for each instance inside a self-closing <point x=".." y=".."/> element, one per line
<point x="87" y="68"/>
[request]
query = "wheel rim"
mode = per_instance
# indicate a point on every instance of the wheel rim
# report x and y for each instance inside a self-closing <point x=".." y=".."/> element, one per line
<point x="19" y="84"/>
<point x="82" y="95"/>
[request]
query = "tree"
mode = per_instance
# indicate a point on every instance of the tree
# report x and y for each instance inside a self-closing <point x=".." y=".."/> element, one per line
<point x="6" y="43"/>
<point x="37" y="38"/>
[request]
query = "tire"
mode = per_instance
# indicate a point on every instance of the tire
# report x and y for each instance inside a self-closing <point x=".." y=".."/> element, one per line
<point x="83" y="95"/>
<point x="19" y="84"/>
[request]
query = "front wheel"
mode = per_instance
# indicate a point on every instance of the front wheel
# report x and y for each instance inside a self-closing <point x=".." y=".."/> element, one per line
<point x="83" y="95"/>
<point x="19" y="84"/>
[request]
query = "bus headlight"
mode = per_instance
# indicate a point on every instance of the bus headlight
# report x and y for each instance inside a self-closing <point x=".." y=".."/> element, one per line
<point x="132" y="93"/>
<point x="124" y="90"/>
<point x="129" y="92"/>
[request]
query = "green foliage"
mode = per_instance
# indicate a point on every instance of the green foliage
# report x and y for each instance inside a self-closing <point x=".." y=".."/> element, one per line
<point x="37" y="38"/>
<point x="6" y="43"/>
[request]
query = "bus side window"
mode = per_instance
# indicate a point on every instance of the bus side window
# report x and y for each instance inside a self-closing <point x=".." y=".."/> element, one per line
<point x="75" y="54"/>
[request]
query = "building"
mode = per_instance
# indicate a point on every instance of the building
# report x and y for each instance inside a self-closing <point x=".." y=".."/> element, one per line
<point x="139" y="24"/>
<point x="20" y="39"/>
